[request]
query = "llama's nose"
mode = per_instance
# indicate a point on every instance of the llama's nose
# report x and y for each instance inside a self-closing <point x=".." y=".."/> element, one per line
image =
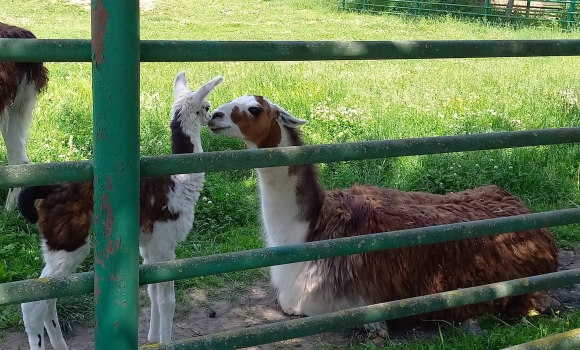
<point x="217" y="114"/>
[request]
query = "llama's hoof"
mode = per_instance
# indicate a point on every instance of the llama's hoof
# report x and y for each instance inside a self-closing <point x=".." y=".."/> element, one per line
<point x="377" y="330"/>
<point x="12" y="199"/>
<point x="153" y="339"/>
<point x="472" y="326"/>
<point x="377" y="333"/>
<point x="290" y="311"/>
<point x="549" y="305"/>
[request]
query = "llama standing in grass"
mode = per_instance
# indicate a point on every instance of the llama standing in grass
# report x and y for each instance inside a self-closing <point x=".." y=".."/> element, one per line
<point x="295" y="209"/>
<point x="64" y="215"/>
<point x="20" y="83"/>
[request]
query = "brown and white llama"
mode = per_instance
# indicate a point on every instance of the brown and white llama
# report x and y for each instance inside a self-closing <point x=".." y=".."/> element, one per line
<point x="295" y="209"/>
<point x="20" y="83"/>
<point x="65" y="213"/>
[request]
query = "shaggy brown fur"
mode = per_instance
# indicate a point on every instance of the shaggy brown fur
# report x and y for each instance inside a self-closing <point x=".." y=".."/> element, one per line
<point x="434" y="268"/>
<point x="11" y="73"/>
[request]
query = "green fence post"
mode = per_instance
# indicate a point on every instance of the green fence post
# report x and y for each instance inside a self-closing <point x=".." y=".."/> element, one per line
<point x="416" y="6"/>
<point x="571" y="12"/>
<point x="115" y="51"/>
<point x="528" y="5"/>
<point x="487" y="7"/>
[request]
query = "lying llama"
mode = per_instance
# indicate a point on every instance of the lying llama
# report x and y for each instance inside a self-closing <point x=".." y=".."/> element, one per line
<point x="295" y="209"/>
<point x="20" y="83"/>
<point x="64" y="215"/>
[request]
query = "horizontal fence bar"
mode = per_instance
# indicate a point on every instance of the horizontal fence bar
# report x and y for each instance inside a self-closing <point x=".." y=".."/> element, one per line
<point x="51" y="173"/>
<point x="394" y="3"/>
<point x="562" y="341"/>
<point x="335" y="321"/>
<point x="58" y="50"/>
<point x="409" y="12"/>
<point x="38" y="289"/>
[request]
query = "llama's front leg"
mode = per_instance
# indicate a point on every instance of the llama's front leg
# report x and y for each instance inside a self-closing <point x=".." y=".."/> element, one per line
<point x="40" y="314"/>
<point x="162" y="296"/>
<point x="153" y="335"/>
<point x="166" y="304"/>
<point x="33" y="314"/>
<point x="53" y="326"/>
<point x="15" y="126"/>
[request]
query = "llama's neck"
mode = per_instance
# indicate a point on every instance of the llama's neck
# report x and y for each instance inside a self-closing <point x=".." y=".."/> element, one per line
<point x="185" y="132"/>
<point x="185" y="138"/>
<point x="291" y="198"/>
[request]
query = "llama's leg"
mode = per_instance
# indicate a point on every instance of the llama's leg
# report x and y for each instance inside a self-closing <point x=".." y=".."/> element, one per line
<point x="162" y="297"/>
<point x="153" y="335"/>
<point x="40" y="314"/>
<point x="166" y="302"/>
<point x="15" y="126"/>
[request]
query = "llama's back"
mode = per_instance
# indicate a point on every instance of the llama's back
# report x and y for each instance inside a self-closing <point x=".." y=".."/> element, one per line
<point x="12" y="73"/>
<point x="414" y="271"/>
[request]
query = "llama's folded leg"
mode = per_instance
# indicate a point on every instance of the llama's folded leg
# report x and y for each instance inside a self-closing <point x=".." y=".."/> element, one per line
<point x="42" y="314"/>
<point x="15" y="126"/>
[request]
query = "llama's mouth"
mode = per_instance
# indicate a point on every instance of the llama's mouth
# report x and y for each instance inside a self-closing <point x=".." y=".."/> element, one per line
<point x="218" y="129"/>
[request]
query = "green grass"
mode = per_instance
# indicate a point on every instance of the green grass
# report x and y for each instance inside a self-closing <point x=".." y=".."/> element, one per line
<point x="343" y="101"/>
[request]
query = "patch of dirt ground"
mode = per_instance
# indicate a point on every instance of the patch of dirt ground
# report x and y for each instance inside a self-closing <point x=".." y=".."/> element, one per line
<point x="259" y="306"/>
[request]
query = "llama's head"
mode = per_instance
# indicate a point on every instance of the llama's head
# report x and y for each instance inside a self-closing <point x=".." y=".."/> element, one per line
<point x="189" y="113"/>
<point x="256" y="121"/>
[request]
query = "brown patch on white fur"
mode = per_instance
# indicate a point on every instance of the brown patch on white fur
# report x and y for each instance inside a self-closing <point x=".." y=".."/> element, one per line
<point x="263" y="130"/>
<point x="65" y="215"/>
<point x="11" y="73"/>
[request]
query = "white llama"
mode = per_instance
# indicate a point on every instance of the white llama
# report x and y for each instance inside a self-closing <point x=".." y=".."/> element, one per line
<point x="295" y="209"/>
<point x="64" y="214"/>
<point x="20" y="83"/>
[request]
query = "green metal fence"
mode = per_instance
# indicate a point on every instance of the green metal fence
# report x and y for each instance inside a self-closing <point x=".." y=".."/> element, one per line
<point x="527" y="11"/>
<point x="116" y="53"/>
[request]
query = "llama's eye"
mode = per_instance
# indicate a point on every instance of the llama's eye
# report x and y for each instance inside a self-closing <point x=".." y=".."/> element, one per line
<point x="255" y="111"/>
<point x="207" y="109"/>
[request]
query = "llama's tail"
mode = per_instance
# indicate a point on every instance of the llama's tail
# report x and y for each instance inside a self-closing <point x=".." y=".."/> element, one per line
<point x="26" y="199"/>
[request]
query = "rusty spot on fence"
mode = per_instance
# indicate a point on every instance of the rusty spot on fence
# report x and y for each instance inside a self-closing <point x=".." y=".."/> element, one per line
<point x="109" y="220"/>
<point x="99" y="262"/>
<point x="109" y="248"/>
<point x="99" y="18"/>
<point x="97" y="290"/>
<point x="109" y="185"/>
<point x="112" y="278"/>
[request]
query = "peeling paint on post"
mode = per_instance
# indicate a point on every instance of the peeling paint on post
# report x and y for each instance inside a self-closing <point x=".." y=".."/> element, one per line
<point x="115" y="53"/>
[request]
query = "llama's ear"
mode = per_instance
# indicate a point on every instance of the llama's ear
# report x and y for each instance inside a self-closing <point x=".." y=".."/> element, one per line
<point x="203" y="91"/>
<point x="288" y="119"/>
<point x="180" y="84"/>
